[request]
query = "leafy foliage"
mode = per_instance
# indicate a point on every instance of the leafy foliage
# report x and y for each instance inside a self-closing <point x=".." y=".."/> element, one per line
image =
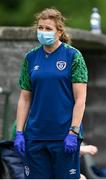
<point x="77" y="12"/>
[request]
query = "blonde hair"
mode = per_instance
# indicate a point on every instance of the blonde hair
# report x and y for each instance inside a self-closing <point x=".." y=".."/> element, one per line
<point x="54" y="14"/>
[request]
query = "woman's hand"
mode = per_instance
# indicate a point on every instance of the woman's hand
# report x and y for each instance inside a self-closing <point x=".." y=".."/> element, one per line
<point x="19" y="143"/>
<point x="70" y="143"/>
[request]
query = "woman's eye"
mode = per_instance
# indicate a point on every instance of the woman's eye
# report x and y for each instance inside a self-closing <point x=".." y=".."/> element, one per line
<point x="48" y="29"/>
<point x="40" y="27"/>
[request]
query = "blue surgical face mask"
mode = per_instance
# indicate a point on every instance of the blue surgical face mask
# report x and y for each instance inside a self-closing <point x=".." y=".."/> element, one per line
<point x="46" y="38"/>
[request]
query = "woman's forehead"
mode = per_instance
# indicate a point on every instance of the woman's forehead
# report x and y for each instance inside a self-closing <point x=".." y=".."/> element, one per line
<point x="47" y="22"/>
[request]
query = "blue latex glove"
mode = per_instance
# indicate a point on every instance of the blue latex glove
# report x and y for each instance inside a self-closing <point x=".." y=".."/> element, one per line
<point x="19" y="143"/>
<point x="70" y="143"/>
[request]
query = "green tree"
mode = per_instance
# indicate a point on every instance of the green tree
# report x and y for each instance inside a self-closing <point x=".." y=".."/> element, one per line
<point x="77" y="12"/>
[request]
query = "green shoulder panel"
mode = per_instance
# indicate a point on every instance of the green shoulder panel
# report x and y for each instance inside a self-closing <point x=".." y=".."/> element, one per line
<point x="79" y="69"/>
<point x="24" y="79"/>
<point x="33" y="49"/>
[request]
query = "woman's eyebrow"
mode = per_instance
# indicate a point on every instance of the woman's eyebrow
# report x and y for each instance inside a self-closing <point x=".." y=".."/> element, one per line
<point x="48" y="26"/>
<point x="40" y="25"/>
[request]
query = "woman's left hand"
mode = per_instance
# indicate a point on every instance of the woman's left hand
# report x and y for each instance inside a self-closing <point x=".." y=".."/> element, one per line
<point x="70" y="143"/>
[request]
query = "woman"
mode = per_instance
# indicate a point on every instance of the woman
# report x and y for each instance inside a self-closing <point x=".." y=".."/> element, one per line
<point x="52" y="101"/>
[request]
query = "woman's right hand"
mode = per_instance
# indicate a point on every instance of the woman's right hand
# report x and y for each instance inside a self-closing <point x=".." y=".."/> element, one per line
<point x="70" y="143"/>
<point x="19" y="143"/>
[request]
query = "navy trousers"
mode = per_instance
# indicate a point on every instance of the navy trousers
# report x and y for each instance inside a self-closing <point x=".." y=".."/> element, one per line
<point x="48" y="160"/>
